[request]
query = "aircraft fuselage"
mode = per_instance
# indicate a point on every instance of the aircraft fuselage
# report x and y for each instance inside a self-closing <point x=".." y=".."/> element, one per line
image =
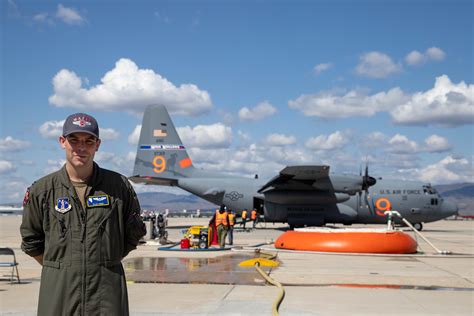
<point x="417" y="202"/>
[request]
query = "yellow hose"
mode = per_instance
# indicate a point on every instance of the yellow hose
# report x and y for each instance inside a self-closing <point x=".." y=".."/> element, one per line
<point x="269" y="262"/>
<point x="281" y="296"/>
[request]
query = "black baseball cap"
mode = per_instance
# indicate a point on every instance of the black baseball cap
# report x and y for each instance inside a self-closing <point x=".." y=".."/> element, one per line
<point x="80" y="123"/>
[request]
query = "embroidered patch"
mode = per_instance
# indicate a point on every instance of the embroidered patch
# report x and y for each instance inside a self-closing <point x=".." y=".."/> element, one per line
<point x="98" y="200"/>
<point x="62" y="206"/>
<point x="27" y="197"/>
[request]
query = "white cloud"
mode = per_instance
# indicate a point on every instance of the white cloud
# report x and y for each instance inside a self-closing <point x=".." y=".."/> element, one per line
<point x="261" y="111"/>
<point x="376" y="65"/>
<point x="51" y="129"/>
<point x="336" y="140"/>
<point x="398" y="161"/>
<point x="436" y="144"/>
<point x="128" y="88"/>
<point x="122" y="164"/>
<point x="209" y="136"/>
<point x="447" y="104"/>
<point x="249" y="160"/>
<point x="41" y="17"/>
<point x="400" y="144"/>
<point x="134" y="137"/>
<point x="353" y="103"/>
<point x="104" y="157"/>
<point x="108" y="134"/>
<point x="53" y="165"/>
<point x="69" y="15"/>
<point x="244" y="137"/>
<point x="375" y="140"/>
<point x="54" y="129"/>
<point x="448" y="170"/>
<point x="318" y="69"/>
<point x="13" y="190"/>
<point x="131" y="155"/>
<point x="6" y="167"/>
<point x="279" y="140"/>
<point x="9" y="144"/>
<point x="416" y="58"/>
<point x="435" y="53"/>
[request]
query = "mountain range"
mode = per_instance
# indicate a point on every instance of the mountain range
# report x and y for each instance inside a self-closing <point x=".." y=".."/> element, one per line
<point x="462" y="194"/>
<point x="173" y="202"/>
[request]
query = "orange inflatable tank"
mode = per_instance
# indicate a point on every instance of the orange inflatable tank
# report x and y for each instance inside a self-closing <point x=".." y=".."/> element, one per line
<point x="348" y="240"/>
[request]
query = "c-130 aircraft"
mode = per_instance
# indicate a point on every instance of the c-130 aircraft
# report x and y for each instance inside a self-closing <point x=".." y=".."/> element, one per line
<point x="298" y="195"/>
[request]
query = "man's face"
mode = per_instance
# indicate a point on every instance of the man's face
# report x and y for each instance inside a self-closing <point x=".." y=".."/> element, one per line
<point x="80" y="148"/>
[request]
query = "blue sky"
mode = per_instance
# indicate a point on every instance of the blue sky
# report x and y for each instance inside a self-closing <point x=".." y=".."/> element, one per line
<point x="252" y="86"/>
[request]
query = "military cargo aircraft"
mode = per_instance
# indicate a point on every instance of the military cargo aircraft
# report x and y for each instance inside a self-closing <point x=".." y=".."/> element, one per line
<point x="298" y="195"/>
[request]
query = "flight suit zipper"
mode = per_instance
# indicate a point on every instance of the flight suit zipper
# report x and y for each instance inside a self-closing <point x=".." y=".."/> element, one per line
<point x="84" y="261"/>
<point x="83" y="219"/>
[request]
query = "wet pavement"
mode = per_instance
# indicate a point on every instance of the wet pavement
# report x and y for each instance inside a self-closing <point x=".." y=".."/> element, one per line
<point x="219" y="270"/>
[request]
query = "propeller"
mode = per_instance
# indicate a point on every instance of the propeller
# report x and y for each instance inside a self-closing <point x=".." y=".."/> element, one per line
<point x="367" y="181"/>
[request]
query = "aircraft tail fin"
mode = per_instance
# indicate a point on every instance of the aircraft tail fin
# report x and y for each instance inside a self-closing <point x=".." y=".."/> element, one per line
<point x="161" y="156"/>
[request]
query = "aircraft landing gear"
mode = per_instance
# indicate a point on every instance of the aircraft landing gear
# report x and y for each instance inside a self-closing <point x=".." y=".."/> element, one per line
<point x="418" y="226"/>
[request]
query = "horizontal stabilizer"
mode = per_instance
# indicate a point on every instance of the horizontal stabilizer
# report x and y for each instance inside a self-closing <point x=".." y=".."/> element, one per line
<point x="154" y="181"/>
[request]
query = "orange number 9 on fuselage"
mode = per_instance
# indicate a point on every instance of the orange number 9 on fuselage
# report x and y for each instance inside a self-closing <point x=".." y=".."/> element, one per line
<point x="382" y="205"/>
<point x="159" y="163"/>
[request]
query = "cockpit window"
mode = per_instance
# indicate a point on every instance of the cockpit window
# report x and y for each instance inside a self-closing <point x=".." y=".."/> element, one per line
<point x="428" y="189"/>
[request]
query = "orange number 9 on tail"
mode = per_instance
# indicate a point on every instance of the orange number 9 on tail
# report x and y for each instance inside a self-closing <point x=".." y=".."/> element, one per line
<point x="159" y="163"/>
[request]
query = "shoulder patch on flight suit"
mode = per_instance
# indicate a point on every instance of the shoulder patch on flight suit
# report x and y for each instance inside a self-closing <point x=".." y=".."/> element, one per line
<point x="27" y="197"/>
<point x="63" y="205"/>
<point x="98" y="200"/>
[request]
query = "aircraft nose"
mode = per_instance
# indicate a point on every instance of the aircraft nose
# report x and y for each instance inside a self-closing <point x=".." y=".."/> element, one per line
<point x="449" y="208"/>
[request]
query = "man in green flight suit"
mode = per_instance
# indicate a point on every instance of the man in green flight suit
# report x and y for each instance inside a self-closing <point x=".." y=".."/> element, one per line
<point x="79" y="223"/>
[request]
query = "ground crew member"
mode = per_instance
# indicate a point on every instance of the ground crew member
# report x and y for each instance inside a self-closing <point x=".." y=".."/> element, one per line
<point x="221" y="219"/>
<point x="254" y="217"/>
<point x="230" y="232"/>
<point x="79" y="223"/>
<point x="244" y="217"/>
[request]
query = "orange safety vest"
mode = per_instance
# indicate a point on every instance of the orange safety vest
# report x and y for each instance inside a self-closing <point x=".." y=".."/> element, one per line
<point x="221" y="219"/>
<point x="244" y="214"/>
<point x="231" y="219"/>
<point x="253" y="215"/>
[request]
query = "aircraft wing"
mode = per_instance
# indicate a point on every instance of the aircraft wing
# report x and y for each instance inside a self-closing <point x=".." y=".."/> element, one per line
<point x="299" y="177"/>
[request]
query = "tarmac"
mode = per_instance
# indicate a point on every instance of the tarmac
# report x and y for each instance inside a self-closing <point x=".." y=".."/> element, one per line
<point x="212" y="283"/>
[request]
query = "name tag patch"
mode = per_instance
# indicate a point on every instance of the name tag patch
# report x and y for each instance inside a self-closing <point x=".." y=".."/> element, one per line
<point x="63" y="205"/>
<point x="98" y="200"/>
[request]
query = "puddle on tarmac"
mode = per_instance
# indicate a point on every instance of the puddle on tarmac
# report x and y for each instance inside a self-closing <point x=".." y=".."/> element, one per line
<point x="219" y="270"/>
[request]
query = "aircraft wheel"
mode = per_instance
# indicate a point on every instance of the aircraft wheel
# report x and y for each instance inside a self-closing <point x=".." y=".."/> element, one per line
<point x="292" y="227"/>
<point x="418" y="226"/>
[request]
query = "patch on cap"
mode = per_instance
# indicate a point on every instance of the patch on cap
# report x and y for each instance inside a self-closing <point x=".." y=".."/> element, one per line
<point x="81" y="121"/>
